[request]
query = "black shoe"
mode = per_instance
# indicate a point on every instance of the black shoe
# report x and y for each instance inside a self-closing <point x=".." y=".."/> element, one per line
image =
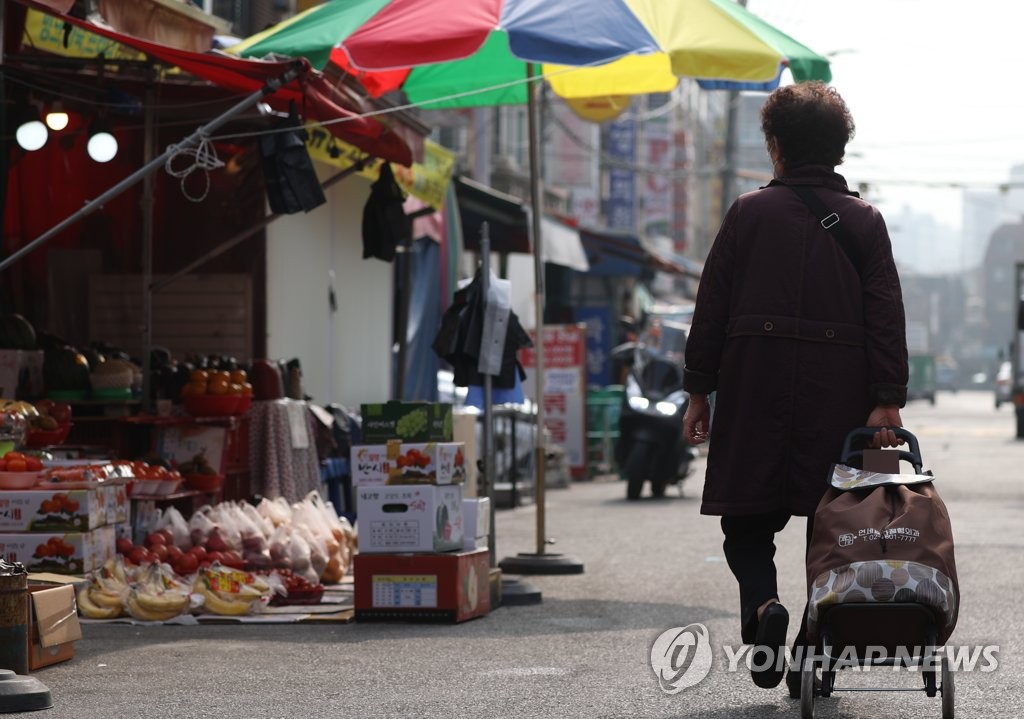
<point x="771" y="640"/>
<point x="793" y="678"/>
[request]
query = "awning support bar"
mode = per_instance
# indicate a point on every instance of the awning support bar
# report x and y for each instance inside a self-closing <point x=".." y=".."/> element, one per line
<point x="194" y="139"/>
<point x="245" y="234"/>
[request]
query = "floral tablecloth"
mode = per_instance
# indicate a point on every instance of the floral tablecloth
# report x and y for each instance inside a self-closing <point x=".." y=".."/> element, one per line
<point x="282" y="450"/>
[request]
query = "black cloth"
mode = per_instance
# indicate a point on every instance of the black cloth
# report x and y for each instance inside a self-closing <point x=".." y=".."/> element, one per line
<point x="385" y="224"/>
<point x="750" y="551"/>
<point x="290" y="178"/>
<point x="458" y="340"/>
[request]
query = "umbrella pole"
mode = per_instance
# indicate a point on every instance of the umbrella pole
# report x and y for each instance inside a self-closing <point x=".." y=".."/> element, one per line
<point x="541" y="562"/>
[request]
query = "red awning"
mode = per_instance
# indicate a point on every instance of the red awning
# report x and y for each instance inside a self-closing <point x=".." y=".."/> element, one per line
<point x="315" y="96"/>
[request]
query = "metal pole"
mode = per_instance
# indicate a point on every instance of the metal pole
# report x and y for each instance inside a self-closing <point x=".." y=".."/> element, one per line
<point x="485" y="281"/>
<point x="148" y="148"/>
<point x="536" y="201"/>
<point x="194" y="139"/>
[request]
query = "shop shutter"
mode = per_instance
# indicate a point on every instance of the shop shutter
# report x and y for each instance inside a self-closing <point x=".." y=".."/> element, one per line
<point x="196" y="314"/>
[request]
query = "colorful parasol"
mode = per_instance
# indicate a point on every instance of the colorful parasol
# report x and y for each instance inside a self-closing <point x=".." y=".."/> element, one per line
<point x="470" y="53"/>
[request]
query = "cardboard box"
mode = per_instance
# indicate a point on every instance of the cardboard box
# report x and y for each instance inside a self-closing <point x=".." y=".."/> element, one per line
<point x="400" y="463"/>
<point x="464" y="430"/>
<point x="53" y="625"/>
<point x="407" y="421"/>
<point x="21" y="374"/>
<point x="117" y="503"/>
<point x="476" y="516"/>
<point x="409" y="518"/>
<point x="422" y="587"/>
<point x="49" y="510"/>
<point x="60" y="553"/>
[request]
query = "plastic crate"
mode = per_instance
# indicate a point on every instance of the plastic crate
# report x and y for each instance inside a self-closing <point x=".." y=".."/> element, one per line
<point x="603" y="407"/>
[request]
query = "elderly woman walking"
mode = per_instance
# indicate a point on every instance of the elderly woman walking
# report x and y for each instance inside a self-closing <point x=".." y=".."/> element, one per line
<point x="799" y="330"/>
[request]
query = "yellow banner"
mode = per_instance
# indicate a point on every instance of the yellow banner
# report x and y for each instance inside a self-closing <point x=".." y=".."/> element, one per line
<point x="427" y="181"/>
<point x="46" y="32"/>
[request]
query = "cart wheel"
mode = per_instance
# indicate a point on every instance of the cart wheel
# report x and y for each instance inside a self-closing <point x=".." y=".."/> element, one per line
<point x="948" y="689"/>
<point x="807" y="690"/>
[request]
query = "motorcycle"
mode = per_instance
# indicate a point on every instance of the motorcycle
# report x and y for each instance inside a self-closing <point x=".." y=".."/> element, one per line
<point x="651" y="446"/>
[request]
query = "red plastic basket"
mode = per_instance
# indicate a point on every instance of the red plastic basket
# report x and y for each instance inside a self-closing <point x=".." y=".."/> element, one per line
<point x="211" y="405"/>
<point x="37" y="438"/>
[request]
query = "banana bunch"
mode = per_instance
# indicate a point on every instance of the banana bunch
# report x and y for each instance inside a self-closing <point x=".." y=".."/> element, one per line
<point x="156" y="596"/>
<point x="155" y="607"/>
<point x="228" y="592"/>
<point x="103" y="597"/>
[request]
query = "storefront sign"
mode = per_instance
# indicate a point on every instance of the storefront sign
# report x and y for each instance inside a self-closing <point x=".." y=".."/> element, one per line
<point x="620" y="147"/>
<point x="564" y="388"/>
<point x="47" y="32"/>
<point x="599" y="344"/>
<point x="427" y="180"/>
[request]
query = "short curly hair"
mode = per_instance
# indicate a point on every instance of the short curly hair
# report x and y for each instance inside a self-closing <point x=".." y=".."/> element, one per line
<point x="810" y="124"/>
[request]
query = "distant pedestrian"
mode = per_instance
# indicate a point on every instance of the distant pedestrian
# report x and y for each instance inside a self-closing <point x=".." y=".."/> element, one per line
<point x="799" y="330"/>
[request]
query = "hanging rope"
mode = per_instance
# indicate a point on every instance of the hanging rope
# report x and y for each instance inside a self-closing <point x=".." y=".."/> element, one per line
<point x="204" y="158"/>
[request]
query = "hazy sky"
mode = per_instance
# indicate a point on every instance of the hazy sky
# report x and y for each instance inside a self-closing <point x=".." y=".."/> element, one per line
<point x="935" y="88"/>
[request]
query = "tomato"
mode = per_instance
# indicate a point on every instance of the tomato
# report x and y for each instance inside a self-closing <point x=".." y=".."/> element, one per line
<point x="168" y="535"/>
<point x="186" y="564"/>
<point x="174" y="553"/>
<point x="14" y="455"/>
<point x="159" y="551"/>
<point x="199" y="375"/>
<point x="198" y="551"/>
<point x="156" y="538"/>
<point x="34" y="464"/>
<point x="3" y="465"/>
<point x="138" y="555"/>
<point x="124" y="545"/>
<point x="239" y="376"/>
<point x="17" y="465"/>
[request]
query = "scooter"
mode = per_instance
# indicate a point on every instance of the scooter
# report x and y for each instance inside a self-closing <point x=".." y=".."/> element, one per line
<point x="651" y="446"/>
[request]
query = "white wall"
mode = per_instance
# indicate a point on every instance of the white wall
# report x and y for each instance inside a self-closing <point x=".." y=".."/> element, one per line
<point x="301" y="251"/>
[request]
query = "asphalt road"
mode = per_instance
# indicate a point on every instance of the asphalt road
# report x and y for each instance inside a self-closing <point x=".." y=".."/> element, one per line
<point x="585" y="651"/>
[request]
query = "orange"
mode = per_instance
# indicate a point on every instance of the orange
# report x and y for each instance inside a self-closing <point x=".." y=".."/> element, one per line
<point x="193" y="388"/>
<point x="217" y="386"/>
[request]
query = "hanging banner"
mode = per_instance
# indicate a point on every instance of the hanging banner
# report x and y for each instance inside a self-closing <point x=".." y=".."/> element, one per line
<point x="46" y="32"/>
<point x="565" y="389"/>
<point x="427" y="180"/>
<point x="599" y="344"/>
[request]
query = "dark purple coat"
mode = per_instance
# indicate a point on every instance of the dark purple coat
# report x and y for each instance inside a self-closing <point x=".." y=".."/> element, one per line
<point x="796" y="344"/>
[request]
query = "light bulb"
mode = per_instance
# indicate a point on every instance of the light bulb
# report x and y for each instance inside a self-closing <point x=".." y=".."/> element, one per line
<point x="32" y="135"/>
<point x="57" y="120"/>
<point x="102" y="147"/>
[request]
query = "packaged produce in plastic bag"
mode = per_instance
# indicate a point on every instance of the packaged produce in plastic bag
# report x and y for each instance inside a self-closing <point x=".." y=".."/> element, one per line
<point x="301" y="556"/>
<point x="172" y="519"/>
<point x="280" y="547"/>
<point x="230" y="592"/>
<point x="277" y="511"/>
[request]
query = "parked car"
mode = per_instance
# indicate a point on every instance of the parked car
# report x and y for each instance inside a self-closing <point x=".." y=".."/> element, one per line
<point x="1004" y="384"/>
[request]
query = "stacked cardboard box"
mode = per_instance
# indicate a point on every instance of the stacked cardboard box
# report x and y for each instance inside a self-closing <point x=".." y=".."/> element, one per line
<point x="408" y="479"/>
<point x="65" y="532"/>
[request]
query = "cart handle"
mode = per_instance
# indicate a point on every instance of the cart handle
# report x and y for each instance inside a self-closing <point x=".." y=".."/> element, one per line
<point x="867" y="433"/>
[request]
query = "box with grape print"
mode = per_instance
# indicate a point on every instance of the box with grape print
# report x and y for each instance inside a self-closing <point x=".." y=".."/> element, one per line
<point x="415" y="463"/>
<point x="407" y="421"/>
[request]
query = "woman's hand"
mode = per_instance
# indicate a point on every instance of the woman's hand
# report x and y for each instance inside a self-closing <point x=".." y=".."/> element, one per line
<point x="885" y="416"/>
<point x="697" y="420"/>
